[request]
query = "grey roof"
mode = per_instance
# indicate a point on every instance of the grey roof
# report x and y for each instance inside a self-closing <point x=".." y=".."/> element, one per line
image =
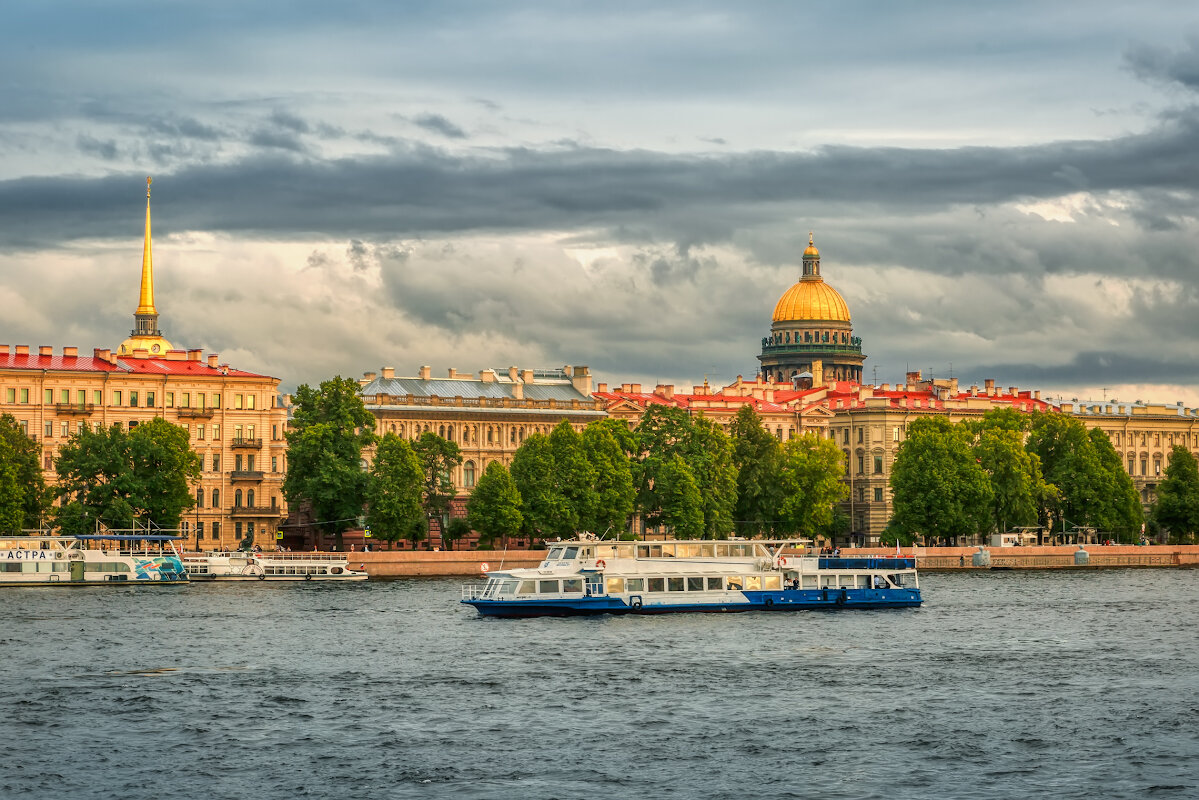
<point x="1119" y="408"/>
<point x="559" y="390"/>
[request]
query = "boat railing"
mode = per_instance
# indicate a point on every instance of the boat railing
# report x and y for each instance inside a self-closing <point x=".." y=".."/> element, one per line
<point x="474" y="591"/>
<point x="275" y="555"/>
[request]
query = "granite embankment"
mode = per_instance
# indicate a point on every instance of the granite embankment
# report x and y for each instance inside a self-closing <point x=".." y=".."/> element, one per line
<point x="408" y="563"/>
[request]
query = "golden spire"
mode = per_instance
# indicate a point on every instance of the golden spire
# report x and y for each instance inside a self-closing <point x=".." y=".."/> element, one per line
<point x="145" y="304"/>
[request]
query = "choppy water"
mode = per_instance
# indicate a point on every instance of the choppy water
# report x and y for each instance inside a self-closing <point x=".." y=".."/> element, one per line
<point x="1012" y="685"/>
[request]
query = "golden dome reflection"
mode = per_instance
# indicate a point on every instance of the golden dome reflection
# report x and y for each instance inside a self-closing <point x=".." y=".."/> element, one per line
<point x="811" y="300"/>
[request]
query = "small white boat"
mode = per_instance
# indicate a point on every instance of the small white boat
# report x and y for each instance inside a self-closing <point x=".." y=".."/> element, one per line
<point x="42" y="559"/>
<point x="243" y="566"/>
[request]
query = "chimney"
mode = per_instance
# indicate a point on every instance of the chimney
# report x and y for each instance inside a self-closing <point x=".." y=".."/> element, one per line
<point x="989" y="383"/>
<point x="913" y="378"/>
<point x="635" y="388"/>
<point x="603" y="387"/>
<point x="886" y="387"/>
<point x="452" y="373"/>
<point x="1014" y="391"/>
<point x="513" y="372"/>
<point x="426" y="373"/>
<point x="526" y="375"/>
<point x="487" y="376"/>
<point x="194" y="355"/>
<point x="627" y="388"/>
<point x="770" y="395"/>
<point x="101" y="354"/>
<point x="214" y="359"/>
<point x="142" y="352"/>
<point x="70" y="352"/>
<point x="1037" y="394"/>
<point x="581" y="380"/>
<point x="665" y="391"/>
<point x="22" y="350"/>
<point x="369" y="376"/>
<point x="176" y="355"/>
<point x="45" y="350"/>
<point x="518" y="390"/>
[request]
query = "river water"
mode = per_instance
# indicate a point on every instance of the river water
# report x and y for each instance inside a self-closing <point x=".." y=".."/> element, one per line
<point x="1004" y="685"/>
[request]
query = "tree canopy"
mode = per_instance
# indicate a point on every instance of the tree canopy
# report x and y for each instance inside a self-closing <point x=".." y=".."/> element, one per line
<point x="1177" y="506"/>
<point x="810" y="470"/>
<point x="758" y="458"/>
<point x="394" y="492"/>
<point x="23" y="496"/>
<point x="117" y="478"/>
<point x="494" y="506"/>
<point x="938" y="487"/>
<point x="330" y="427"/>
<point x="439" y="458"/>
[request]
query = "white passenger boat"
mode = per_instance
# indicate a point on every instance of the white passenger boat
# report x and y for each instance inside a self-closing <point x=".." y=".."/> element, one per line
<point x="41" y="559"/>
<point x="587" y="576"/>
<point x="273" y="566"/>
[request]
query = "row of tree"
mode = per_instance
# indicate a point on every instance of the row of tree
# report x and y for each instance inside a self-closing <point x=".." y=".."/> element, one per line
<point x="1009" y="470"/>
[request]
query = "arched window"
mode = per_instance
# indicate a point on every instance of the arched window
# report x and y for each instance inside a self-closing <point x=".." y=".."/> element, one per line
<point x="449" y="432"/>
<point x="250" y="498"/>
<point x="490" y="435"/>
<point x="441" y="431"/>
<point x="216" y="499"/>
<point x="237" y="499"/>
<point x="468" y="474"/>
<point x="788" y="339"/>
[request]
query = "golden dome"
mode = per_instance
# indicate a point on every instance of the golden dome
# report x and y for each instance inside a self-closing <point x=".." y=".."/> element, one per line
<point x="811" y="300"/>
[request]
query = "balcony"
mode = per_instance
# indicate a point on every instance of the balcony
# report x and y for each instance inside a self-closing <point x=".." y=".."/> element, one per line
<point x="74" y="408"/>
<point x="822" y="349"/>
<point x="197" y="413"/>
<point x="256" y="511"/>
<point x="247" y="443"/>
<point x="246" y="475"/>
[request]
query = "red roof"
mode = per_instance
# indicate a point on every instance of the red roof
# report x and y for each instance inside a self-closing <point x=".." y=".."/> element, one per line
<point x="140" y="366"/>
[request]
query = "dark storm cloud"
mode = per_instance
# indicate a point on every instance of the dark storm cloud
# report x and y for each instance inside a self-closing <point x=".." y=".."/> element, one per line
<point x="1168" y="65"/>
<point x="439" y="124"/>
<point x="685" y="198"/>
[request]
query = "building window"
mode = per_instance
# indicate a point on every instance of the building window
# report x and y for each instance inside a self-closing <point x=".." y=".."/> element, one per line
<point x="237" y="401"/>
<point x="185" y="401"/>
<point x="895" y="434"/>
<point x="133" y="399"/>
<point x="199" y="498"/>
<point x="236" y="432"/>
<point x="49" y="428"/>
<point x="216" y="401"/>
<point x="468" y="474"/>
<point x="860" y="435"/>
<point x="250" y="401"/>
<point x="25" y="427"/>
<point x="116" y="398"/>
<point x="250" y="462"/>
<point x="216" y="530"/>
<point x="1132" y="465"/>
<point x="275" y="432"/>
<point x="861" y="464"/>
<point x="237" y="530"/>
<point x="878" y="494"/>
<point x="274" y="502"/>
<point x="49" y="395"/>
<point x="216" y="503"/>
<point x="10" y="395"/>
<point x="878" y="465"/>
<point x="274" y="463"/>
<point x="1144" y="466"/>
<point x="250" y="433"/>
<point x="24" y="395"/>
<point x="66" y="429"/>
<point x="170" y="399"/>
<point x="200" y="431"/>
<point x="81" y="396"/>
<point x="237" y="499"/>
<point x="237" y="458"/>
<point x="199" y="531"/>
<point x="847" y="436"/>
<point x="216" y="433"/>
<point x="250" y="498"/>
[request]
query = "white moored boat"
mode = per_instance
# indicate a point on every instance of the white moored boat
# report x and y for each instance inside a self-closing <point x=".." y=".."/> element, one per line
<point x="587" y="576"/>
<point x="40" y="559"/>
<point x="243" y="566"/>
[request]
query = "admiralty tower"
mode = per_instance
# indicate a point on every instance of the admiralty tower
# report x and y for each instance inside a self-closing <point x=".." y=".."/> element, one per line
<point x="811" y="337"/>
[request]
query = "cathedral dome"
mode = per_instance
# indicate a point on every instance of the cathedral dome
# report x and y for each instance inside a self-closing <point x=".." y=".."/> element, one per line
<point x="811" y="300"/>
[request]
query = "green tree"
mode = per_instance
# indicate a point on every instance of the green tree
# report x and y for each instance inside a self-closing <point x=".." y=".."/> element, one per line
<point x="23" y="496"/>
<point x="574" y="480"/>
<point x="710" y="457"/>
<point x="494" y="506"/>
<point x="533" y="473"/>
<point x="1120" y="512"/>
<point x="330" y="427"/>
<point x="938" y="488"/>
<point x="757" y="456"/>
<point x="456" y="531"/>
<point x="1177" y="507"/>
<point x="614" y="494"/>
<point x="118" y="478"/>
<point x="438" y="459"/>
<point x="661" y="434"/>
<point x="810" y="484"/>
<point x="681" y="504"/>
<point x="394" y="492"/>
<point x="1013" y="474"/>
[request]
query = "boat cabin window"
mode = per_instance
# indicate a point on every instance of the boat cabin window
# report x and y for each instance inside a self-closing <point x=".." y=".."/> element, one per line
<point x="635" y="584"/>
<point x="695" y="584"/>
<point x="555" y="554"/>
<point x="507" y="587"/>
<point x="649" y="551"/>
<point x="657" y="584"/>
<point x="615" y="585"/>
<point x="907" y="579"/>
<point x="753" y="583"/>
<point x="880" y="582"/>
<point x="547" y="587"/>
<point x="570" y="554"/>
<point x="735" y="582"/>
<point x="714" y="584"/>
<point x="573" y="585"/>
<point x="772" y="582"/>
<point x="674" y="584"/>
<point x="527" y="587"/>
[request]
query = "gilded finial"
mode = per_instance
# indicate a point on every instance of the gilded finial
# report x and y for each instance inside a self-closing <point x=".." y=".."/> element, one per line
<point x="149" y="180"/>
<point x="810" y="242"/>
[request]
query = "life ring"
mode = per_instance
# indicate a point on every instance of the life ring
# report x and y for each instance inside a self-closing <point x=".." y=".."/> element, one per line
<point x="769" y="602"/>
<point x="782" y="561"/>
<point x="335" y="571"/>
<point x="60" y="555"/>
<point x="262" y="577"/>
<point x="484" y="567"/>
<point x="601" y="564"/>
<point x="308" y="577"/>
<point x="635" y="603"/>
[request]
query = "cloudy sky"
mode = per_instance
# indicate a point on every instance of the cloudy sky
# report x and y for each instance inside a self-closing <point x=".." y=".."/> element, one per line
<point x="999" y="191"/>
